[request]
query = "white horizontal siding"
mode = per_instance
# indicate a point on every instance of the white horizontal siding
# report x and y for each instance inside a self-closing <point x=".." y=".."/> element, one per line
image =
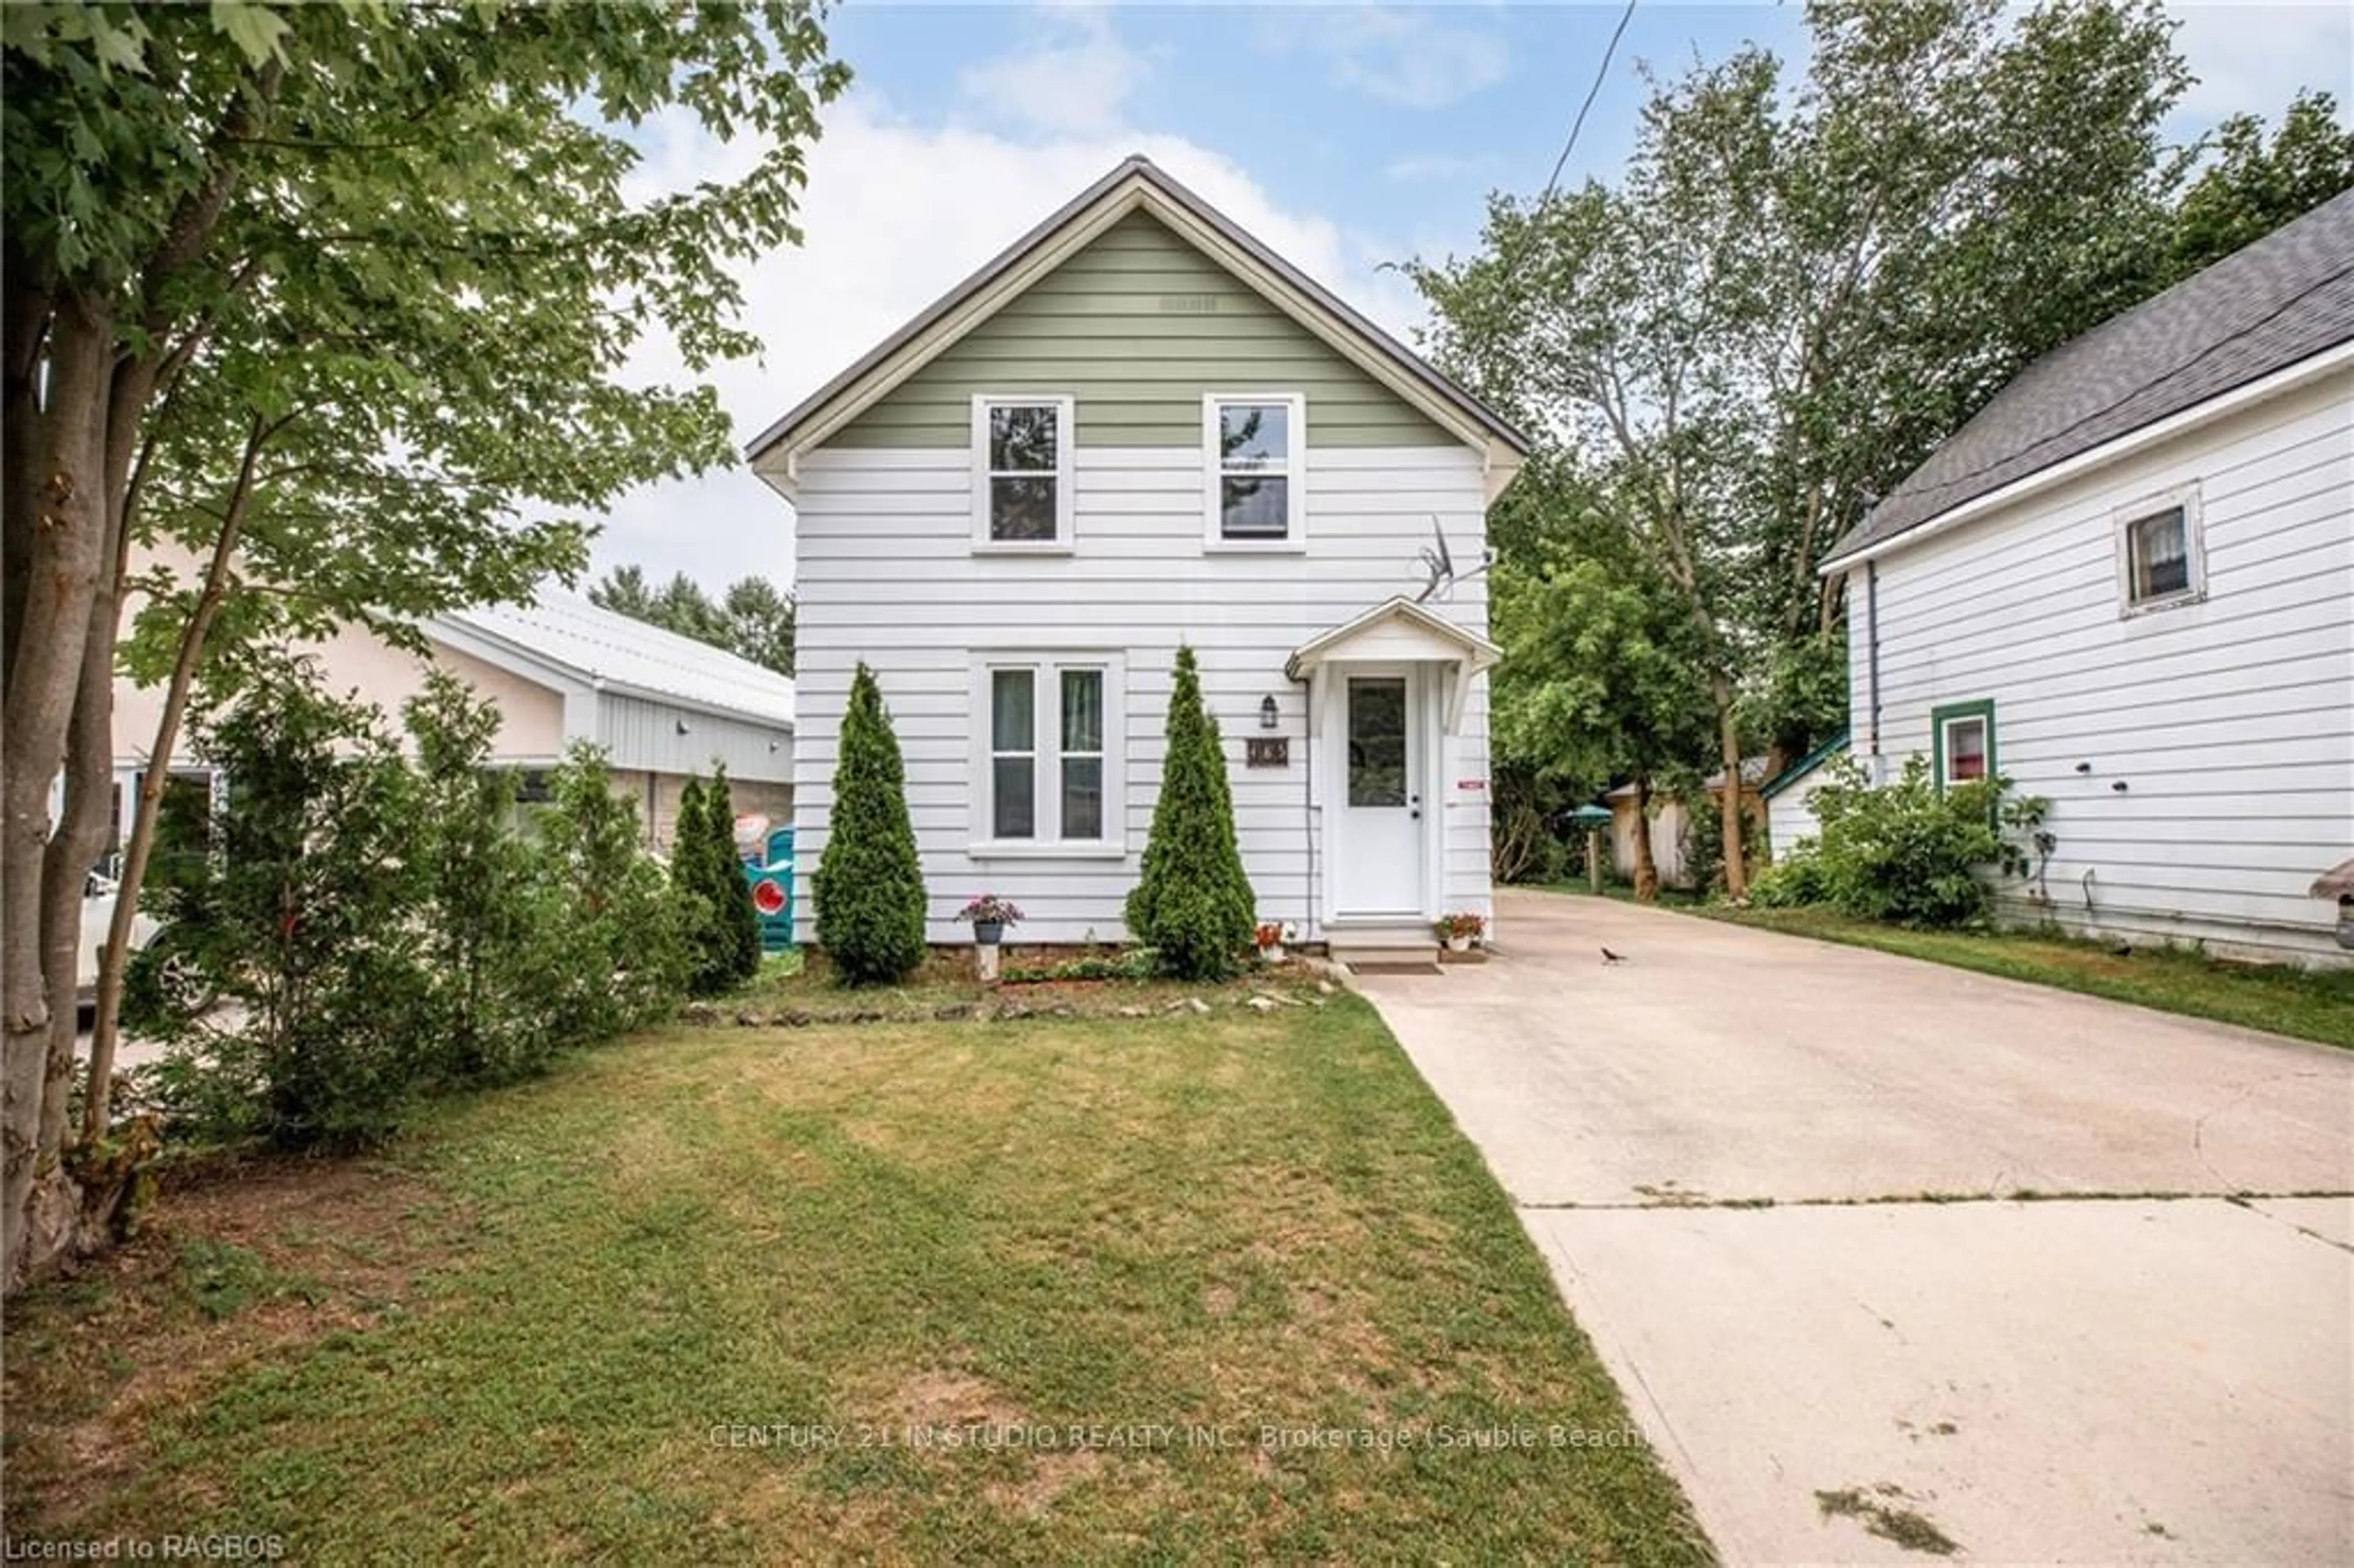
<point x="2200" y="759"/>
<point x="887" y="574"/>
<point x="1790" y="815"/>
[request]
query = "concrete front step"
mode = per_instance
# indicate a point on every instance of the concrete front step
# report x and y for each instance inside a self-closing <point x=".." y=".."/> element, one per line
<point x="1388" y="954"/>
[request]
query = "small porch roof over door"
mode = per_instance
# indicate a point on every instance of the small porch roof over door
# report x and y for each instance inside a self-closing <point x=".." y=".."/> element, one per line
<point x="1400" y="631"/>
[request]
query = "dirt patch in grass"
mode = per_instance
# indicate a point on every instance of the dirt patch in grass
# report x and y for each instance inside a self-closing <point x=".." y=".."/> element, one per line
<point x="239" y="1265"/>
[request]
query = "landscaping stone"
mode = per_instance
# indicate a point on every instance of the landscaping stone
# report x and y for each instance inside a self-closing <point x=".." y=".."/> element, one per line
<point x="1260" y="1003"/>
<point x="751" y="1020"/>
<point x="954" y="1012"/>
<point x="700" y="1013"/>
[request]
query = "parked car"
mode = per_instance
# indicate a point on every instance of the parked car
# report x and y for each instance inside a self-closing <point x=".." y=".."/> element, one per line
<point x="98" y="896"/>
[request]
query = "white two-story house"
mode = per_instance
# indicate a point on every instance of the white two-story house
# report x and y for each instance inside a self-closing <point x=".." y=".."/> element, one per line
<point x="2127" y="586"/>
<point x="1139" y="427"/>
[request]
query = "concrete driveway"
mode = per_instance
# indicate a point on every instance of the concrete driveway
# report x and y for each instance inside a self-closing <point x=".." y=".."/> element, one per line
<point x="1869" y="1241"/>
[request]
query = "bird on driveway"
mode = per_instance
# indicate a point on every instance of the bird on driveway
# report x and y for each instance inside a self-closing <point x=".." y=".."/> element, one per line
<point x="1610" y="958"/>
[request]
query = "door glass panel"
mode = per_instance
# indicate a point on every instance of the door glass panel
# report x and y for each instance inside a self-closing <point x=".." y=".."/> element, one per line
<point x="1377" y="741"/>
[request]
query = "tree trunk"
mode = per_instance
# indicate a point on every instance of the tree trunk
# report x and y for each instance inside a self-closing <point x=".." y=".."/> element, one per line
<point x="1647" y="866"/>
<point x="1729" y="815"/>
<point x="105" y="1024"/>
<point x="56" y="512"/>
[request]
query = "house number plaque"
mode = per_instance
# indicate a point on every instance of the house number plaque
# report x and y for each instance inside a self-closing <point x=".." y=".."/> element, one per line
<point x="1267" y="751"/>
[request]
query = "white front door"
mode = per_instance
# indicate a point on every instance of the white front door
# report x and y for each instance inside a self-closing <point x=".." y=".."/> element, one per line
<point x="1378" y="861"/>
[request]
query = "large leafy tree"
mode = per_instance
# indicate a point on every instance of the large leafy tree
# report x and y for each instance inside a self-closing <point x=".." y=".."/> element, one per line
<point x="2250" y="187"/>
<point x="753" y="619"/>
<point x="1795" y="287"/>
<point x="336" y="302"/>
<point x="1600" y="677"/>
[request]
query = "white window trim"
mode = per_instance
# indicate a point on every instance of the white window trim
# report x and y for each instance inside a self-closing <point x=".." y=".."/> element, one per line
<point x="1065" y="509"/>
<point x="1294" y="537"/>
<point x="2194" y="538"/>
<point x="1048" y="759"/>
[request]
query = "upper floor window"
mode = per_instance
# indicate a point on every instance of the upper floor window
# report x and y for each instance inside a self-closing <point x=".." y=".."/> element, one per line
<point x="1022" y="473"/>
<point x="2159" y="552"/>
<point x="1252" y="447"/>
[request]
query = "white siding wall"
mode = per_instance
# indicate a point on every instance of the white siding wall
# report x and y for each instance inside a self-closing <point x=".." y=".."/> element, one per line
<point x="2229" y="722"/>
<point x="1790" y="815"/>
<point x="887" y="574"/>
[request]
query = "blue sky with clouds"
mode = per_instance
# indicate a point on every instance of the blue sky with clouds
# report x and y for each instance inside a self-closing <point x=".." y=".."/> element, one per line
<point x="1346" y="137"/>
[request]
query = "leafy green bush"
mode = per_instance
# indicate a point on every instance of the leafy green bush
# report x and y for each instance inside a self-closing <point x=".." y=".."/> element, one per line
<point x="378" y="929"/>
<point x="1798" y="877"/>
<point x="302" y="918"/>
<point x="869" y="887"/>
<point x="479" y="910"/>
<point x="1193" y="902"/>
<point x="1906" y="854"/>
<point x="610" y="956"/>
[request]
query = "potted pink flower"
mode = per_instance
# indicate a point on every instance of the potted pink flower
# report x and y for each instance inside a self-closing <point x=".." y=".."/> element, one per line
<point x="990" y="915"/>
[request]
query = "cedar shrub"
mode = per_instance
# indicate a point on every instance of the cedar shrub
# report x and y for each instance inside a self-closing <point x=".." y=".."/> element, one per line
<point x="1194" y="904"/>
<point x="869" y="887"/>
<point x="715" y="902"/>
<point x="738" y="935"/>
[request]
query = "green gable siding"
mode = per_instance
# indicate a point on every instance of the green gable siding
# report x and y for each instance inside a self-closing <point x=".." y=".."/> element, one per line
<point x="1136" y="327"/>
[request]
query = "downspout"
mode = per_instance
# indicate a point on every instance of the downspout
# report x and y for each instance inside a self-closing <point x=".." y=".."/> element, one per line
<point x="1871" y="658"/>
<point x="1308" y="796"/>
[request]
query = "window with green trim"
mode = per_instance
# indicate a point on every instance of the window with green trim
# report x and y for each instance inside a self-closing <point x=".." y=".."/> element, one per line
<point x="1962" y="736"/>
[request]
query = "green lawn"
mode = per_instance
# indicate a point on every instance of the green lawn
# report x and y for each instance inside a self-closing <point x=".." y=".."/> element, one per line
<point x="596" y="1317"/>
<point x="2310" y="1005"/>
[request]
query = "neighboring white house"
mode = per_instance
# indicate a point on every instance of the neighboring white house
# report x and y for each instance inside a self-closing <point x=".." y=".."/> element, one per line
<point x="1137" y="427"/>
<point x="2128" y="585"/>
<point x="663" y="705"/>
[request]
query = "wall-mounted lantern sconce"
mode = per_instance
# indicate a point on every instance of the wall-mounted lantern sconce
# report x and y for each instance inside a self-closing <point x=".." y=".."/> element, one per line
<point x="1267" y="712"/>
<point x="682" y="727"/>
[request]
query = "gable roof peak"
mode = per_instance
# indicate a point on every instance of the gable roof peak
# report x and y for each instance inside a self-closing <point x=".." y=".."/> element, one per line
<point x="1136" y="181"/>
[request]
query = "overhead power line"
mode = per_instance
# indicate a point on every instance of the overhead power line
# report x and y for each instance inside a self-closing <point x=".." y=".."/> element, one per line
<point x="1579" y="123"/>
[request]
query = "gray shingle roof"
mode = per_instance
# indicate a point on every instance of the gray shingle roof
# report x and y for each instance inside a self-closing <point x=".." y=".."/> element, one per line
<point x="2284" y="299"/>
